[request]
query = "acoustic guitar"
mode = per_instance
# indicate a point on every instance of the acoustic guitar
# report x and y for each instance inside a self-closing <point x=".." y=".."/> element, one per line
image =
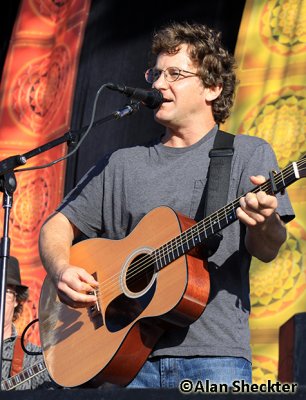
<point x="153" y="278"/>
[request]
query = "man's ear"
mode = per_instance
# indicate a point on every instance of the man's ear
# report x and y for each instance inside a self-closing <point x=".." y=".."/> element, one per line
<point x="213" y="92"/>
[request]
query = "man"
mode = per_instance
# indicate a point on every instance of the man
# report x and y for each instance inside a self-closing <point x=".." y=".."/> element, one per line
<point x="195" y="75"/>
<point x="14" y="360"/>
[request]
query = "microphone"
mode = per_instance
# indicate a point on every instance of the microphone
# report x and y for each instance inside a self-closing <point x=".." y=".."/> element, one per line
<point x="150" y="98"/>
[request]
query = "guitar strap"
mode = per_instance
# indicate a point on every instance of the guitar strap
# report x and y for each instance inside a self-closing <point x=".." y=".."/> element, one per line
<point x="218" y="179"/>
<point x="18" y="356"/>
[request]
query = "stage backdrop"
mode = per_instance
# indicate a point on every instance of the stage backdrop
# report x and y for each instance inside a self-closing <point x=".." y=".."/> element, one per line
<point x="41" y="97"/>
<point x="270" y="103"/>
<point x="36" y="103"/>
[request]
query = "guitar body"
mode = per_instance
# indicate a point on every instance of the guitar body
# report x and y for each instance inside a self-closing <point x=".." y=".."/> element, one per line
<point x="111" y="341"/>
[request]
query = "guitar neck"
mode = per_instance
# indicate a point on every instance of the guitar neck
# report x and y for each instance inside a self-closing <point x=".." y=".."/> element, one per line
<point x="222" y="218"/>
<point x="23" y="376"/>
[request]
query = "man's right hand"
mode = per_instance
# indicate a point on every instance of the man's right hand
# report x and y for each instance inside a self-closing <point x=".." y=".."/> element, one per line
<point x="73" y="284"/>
<point x="75" y="287"/>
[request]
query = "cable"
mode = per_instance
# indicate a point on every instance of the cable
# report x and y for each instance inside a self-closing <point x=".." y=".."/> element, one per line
<point x="31" y="353"/>
<point x="79" y="143"/>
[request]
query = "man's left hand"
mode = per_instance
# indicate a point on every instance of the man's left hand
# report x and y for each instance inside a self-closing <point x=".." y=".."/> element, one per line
<point x="256" y="208"/>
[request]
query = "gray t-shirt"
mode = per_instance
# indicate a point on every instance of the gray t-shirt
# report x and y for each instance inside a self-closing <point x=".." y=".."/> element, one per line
<point x="113" y="197"/>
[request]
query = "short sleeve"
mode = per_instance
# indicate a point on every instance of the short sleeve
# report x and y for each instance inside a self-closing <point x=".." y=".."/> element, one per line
<point x="261" y="162"/>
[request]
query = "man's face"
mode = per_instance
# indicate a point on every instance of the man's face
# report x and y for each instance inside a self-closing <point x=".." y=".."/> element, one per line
<point x="186" y="98"/>
<point x="10" y="304"/>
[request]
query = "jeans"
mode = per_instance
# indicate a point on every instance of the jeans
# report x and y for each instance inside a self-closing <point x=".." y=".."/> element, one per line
<point x="168" y="372"/>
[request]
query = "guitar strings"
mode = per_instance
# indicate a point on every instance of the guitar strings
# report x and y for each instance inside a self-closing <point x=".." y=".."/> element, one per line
<point x="140" y="267"/>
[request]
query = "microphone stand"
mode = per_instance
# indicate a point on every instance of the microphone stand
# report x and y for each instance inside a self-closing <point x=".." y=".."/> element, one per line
<point x="8" y="185"/>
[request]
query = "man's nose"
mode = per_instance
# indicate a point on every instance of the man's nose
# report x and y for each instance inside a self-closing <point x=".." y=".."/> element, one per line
<point x="161" y="82"/>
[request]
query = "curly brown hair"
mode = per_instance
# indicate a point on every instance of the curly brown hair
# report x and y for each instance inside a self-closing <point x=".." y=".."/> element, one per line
<point x="21" y="297"/>
<point x="215" y="64"/>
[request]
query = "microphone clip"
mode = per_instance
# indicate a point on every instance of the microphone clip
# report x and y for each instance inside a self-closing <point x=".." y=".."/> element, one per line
<point x="127" y="110"/>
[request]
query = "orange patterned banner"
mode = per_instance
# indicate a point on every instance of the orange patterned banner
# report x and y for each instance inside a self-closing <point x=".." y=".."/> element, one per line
<point x="270" y="104"/>
<point x="36" y="102"/>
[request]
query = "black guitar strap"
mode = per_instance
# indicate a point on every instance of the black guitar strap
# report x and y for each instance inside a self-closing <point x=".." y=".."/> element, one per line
<point x="219" y="171"/>
<point x="218" y="179"/>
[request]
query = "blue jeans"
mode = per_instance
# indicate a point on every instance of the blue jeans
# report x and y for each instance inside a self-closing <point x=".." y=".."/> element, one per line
<point x="168" y="372"/>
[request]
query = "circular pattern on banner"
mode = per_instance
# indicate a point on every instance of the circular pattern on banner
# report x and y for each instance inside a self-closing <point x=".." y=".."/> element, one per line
<point x="279" y="118"/>
<point x="276" y="286"/>
<point x="38" y="91"/>
<point x="282" y="29"/>
<point x="36" y="196"/>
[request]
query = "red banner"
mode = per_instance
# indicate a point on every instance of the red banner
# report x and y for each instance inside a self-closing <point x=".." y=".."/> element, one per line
<point x="36" y="102"/>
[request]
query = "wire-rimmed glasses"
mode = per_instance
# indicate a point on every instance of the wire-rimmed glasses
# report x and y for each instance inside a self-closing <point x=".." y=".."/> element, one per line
<point x="171" y="74"/>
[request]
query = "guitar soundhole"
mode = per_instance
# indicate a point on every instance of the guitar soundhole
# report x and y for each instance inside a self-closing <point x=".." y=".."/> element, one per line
<point x="140" y="273"/>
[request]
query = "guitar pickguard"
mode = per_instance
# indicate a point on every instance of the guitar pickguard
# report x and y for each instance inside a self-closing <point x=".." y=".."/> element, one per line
<point x="123" y="310"/>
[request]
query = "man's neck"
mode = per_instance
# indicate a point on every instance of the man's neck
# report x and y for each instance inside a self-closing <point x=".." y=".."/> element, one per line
<point x="185" y="137"/>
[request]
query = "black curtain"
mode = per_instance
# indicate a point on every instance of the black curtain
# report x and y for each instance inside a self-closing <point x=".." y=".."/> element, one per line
<point x="116" y="49"/>
<point x="9" y="10"/>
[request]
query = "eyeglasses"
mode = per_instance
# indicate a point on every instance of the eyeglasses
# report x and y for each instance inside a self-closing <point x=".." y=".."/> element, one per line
<point x="171" y="74"/>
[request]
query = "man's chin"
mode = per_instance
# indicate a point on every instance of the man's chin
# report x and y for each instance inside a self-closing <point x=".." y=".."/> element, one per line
<point x="160" y="118"/>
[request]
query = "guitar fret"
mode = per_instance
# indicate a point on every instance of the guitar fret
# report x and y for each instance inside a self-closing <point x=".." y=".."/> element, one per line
<point x="219" y="221"/>
<point x="176" y="249"/>
<point x="205" y="231"/>
<point x="162" y="256"/>
<point x="164" y="260"/>
<point x="170" y="252"/>
<point x="158" y="260"/>
<point x="283" y="180"/>
<point x="166" y="255"/>
<point x="5" y="385"/>
<point x="198" y="238"/>
<point x="187" y="241"/>
<point x="178" y="254"/>
<point x="182" y="244"/>
<point x="192" y="238"/>
<point x="209" y="229"/>
<point x="211" y="226"/>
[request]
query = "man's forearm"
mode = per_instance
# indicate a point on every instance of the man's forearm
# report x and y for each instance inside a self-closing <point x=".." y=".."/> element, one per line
<point x="264" y="241"/>
<point x="55" y="240"/>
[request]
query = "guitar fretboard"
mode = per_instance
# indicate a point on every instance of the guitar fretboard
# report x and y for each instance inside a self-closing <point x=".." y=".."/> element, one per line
<point x="23" y="376"/>
<point x="220" y="219"/>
